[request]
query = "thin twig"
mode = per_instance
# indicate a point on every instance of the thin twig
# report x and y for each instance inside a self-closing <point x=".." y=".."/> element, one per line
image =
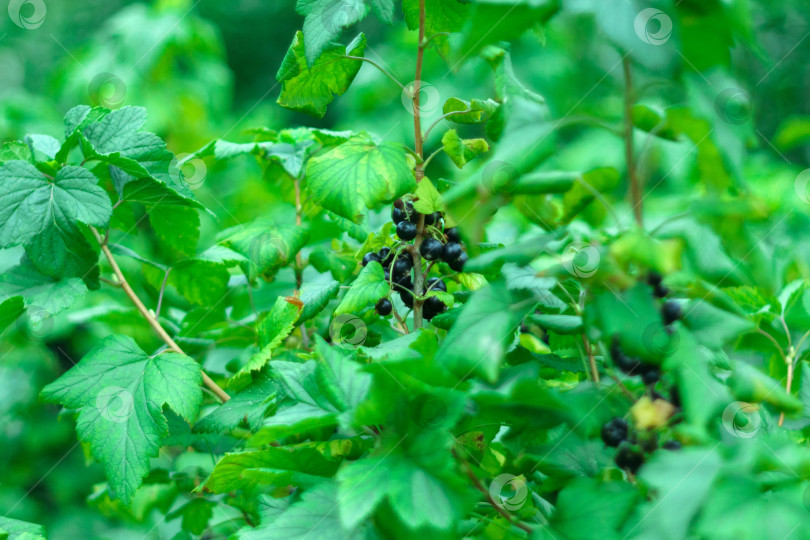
<point x="153" y="322"/>
<point x="635" y="187"/>
<point x="378" y="66"/>
<point x="442" y="117"/>
<point x="425" y="164"/>
<point x="162" y="289"/>
<point x="591" y="359"/>
<point x="419" y="173"/>
<point x="110" y="282"/>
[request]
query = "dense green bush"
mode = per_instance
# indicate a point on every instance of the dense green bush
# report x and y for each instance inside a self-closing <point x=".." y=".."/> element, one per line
<point x="486" y="269"/>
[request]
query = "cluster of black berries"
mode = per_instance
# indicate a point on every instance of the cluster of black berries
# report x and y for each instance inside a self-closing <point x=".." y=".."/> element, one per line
<point x="438" y="244"/>
<point x="630" y="454"/>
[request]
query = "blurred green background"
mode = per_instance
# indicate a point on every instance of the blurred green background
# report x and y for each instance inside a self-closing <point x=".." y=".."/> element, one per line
<point x="206" y="70"/>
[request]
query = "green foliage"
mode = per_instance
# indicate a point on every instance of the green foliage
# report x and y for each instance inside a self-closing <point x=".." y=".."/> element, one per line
<point x="574" y="307"/>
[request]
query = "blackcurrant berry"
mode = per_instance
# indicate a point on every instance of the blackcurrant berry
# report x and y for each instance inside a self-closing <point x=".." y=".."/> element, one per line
<point x="660" y="291"/>
<point x="432" y="307"/>
<point x="435" y="284"/>
<point x="397" y="215"/>
<point x="671" y="445"/>
<point x="671" y="312"/>
<point x="629" y="458"/>
<point x="458" y="264"/>
<point x="430" y="219"/>
<point x="451" y="252"/>
<point x="384" y="307"/>
<point x="614" y="432"/>
<point x="402" y="265"/>
<point x="628" y="365"/>
<point x="431" y="249"/>
<point x="368" y="257"/>
<point x="654" y="278"/>
<point x="650" y="373"/>
<point x="406" y="230"/>
<point x="452" y="235"/>
<point x="407" y="297"/>
<point x="404" y="281"/>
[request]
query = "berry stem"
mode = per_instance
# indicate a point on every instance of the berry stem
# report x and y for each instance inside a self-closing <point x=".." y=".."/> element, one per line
<point x="591" y="359"/>
<point x="635" y="187"/>
<point x="153" y="322"/>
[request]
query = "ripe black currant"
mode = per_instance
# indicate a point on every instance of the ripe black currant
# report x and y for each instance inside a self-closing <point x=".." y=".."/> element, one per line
<point x="384" y="307"/>
<point x="368" y="257"/>
<point x="431" y="249"/>
<point x="435" y="284"/>
<point x="407" y="297"/>
<point x="458" y="264"/>
<point x="671" y="445"/>
<point x="654" y="278"/>
<point x="432" y="307"/>
<point x="397" y="215"/>
<point x="413" y="215"/>
<point x="671" y="312"/>
<point x="629" y="458"/>
<point x="660" y="291"/>
<point x="650" y="373"/>
<point x="402" y="265"/>
<point x="406" y="230"/>
<point x="430" y="219"/>
<point x="451" y="252"/>
<point x="614" y="432"/>
<point x="452" y="235"/>
<point x="628" y="365"/>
